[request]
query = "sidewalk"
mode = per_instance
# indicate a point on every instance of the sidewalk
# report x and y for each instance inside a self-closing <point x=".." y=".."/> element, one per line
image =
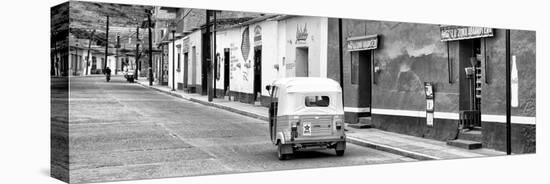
<point x="400" y="144"/>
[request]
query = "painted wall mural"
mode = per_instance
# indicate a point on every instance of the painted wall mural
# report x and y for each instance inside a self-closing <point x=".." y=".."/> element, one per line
<point x="233" y="60"/>
<point x="301" y="34"/>
<point x="245" y="44"/>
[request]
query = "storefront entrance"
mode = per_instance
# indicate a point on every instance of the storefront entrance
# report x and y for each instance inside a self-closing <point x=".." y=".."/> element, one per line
<point x="226" y="57"/>
<point x="470" y="81"/>
<point x="185" y="69"/>
<point x="257" y="72"/>
<point x="361" y="76"/>
<point x="302" y="62"/>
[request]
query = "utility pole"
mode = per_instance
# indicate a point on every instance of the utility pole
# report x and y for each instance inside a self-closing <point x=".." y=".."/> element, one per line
<point x="150" y="69"/>
<point x="173" y="58"/>
<point x="341" y="56"/>
<point x="208" y="57"/>
<point x="214" y="56"/>
<point x="89" y="47"/>
<point x="116" y="53"/>
<point x="508" y="95"/>
<point x="161" y="69"/>
<point x="137" y="54"/>
<point x="106" y="44"/>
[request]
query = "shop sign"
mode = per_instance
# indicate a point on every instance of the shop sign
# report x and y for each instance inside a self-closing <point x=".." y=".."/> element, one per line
<point x="450" y="33"/>
<point x="185" y="45"/>
<point x="362" y="43"/>
<point x="289" y="66"/>
<point x="257" y="36"/>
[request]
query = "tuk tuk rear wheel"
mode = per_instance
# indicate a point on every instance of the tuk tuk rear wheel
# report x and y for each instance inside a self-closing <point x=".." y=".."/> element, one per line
<point x="280" y="153"/>
<point x="340" y="148"/>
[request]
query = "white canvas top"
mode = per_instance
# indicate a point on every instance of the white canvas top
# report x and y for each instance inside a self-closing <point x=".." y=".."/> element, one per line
<point x="291" y="93"/>
<point x="307" y="84"/>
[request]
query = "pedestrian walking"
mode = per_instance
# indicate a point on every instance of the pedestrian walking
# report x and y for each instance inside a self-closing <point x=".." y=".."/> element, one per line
<point x="108" y="74"/>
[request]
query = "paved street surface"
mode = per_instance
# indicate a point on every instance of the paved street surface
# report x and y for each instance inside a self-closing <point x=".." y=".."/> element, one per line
<point x="122" y="131"/>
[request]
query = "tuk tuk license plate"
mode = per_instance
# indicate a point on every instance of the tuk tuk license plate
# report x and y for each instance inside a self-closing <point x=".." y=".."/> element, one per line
<point x="306" y="129"/>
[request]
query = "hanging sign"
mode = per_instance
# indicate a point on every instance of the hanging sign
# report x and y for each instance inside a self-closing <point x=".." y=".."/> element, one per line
<point x="450" y="33"/>
<point x="362" y="43"/>
<point x="257" y="36"/>
<point x="186" y="45"/>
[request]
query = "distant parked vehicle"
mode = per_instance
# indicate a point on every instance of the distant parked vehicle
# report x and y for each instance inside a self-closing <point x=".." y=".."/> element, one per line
<point x="306" y="113"/>
<point x="129" y="75"/>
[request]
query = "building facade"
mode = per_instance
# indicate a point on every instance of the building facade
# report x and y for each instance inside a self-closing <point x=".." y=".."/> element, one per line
<point x="388" y="65"/>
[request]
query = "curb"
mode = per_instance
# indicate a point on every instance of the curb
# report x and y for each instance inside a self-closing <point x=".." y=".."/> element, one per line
<point x="352" y="140"/>
<point x="212" y="104"/>
<point x="390" y="149"/>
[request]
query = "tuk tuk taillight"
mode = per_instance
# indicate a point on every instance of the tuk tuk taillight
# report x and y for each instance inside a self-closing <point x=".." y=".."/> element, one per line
<point x="338" y="122"/>
<point x="294" y="129"/>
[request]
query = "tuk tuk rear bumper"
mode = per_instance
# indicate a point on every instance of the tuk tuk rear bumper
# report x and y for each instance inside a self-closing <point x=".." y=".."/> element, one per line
<point x="313" y="140"/>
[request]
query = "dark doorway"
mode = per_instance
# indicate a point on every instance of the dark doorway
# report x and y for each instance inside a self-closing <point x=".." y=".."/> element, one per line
<point x="361" y="73"/>
<point x="302" y="62"/>
<point x="226" y="59"/>
<point x="257" y="72"/>
<point x="185" y="69"/>
<point x="470" y="81"/>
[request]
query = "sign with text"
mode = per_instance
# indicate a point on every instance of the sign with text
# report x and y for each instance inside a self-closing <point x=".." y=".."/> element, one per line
<point x="362" y="43"/>
<point x="450" y="33"/>
<point x="257" y="36"/>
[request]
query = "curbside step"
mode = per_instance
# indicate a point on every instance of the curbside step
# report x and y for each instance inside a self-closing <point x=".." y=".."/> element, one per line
<point x="359" y="125"/>
<point x="470" y="135"/>
<point x="364" y="122"/>
<point x="465" y="144"/>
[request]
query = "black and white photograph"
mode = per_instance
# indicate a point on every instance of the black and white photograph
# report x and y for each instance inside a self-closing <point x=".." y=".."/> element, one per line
<point x="145" y="92"/>
<point x="274" y="91"/>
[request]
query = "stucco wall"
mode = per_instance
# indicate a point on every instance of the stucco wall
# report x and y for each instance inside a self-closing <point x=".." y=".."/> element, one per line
<point x="333" y="50"/>
<point x="195" y="41"/>
<point x="408" y="55"/>
<point x="172" y="66"/>
<point x="242" y="61"/>
<point x="317" y="49"/>
<point x="522" y="45"/>
<point x="278" y="50"/>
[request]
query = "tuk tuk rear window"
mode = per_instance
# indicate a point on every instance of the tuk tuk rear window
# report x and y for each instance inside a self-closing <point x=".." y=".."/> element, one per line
<point x="317" y="101"/>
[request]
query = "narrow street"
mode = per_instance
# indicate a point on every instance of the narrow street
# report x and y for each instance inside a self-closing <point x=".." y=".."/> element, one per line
<point x="122" y="131"/>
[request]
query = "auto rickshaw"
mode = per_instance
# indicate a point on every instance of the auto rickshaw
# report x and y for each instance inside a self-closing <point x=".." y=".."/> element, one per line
<point x="306" y="113"/>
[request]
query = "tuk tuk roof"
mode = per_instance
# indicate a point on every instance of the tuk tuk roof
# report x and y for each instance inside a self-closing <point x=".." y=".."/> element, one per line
<point x="307" y="84"/>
